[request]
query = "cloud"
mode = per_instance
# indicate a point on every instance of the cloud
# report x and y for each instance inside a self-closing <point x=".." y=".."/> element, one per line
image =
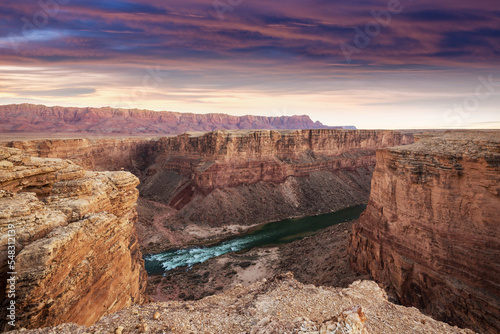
<point x="269" y="49"/>
<point x="63" y="92"/>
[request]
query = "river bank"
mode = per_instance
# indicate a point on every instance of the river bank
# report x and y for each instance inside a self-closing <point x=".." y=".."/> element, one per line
<point x="320" y="259"/>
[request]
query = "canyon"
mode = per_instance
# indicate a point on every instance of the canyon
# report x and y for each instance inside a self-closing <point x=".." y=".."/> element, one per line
<point x="431" y="231"/>
<point x="70" y="240"/>
<point x="30" y="118"/>
<point x="429" y="234"/>
<point x="202" y="187"/>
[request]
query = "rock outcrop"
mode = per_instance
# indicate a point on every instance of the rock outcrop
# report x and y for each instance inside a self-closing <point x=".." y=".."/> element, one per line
<point x="26" y="118"/>
<point x="279" y="305"/>
<point x="104" y="154"/>
<point x="431" y="230"/>
<point x="72" y="233"/>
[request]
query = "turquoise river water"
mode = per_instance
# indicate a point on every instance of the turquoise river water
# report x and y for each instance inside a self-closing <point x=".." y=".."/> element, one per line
<point x="275" y="233"/>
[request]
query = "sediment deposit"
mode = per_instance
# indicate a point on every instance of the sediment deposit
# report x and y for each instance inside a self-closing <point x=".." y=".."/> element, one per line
<point x="431" y="231"/>
<point x="77" y="255"/>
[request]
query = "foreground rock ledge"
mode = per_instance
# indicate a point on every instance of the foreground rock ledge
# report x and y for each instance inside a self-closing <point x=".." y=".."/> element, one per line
<point x="431" y="230"/>
<point x="280" y="305"/>
<point x="77" y="255"/>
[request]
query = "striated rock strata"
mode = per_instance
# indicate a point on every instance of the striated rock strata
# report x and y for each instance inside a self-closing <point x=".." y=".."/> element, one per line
<point x="104" y="154"/>
<point x="26" y="118"/>
<point x="224" y="178"/>
<point x="279" y="305"/>
<point x="431" y="230"/>
<point x="77" y="255"/>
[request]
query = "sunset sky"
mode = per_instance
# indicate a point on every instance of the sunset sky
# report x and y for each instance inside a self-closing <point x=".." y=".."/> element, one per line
<point x="368" y="63"/>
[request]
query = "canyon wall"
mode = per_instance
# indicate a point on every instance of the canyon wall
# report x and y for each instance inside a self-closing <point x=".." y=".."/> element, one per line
<point x="26" y="118"/>
<point x="72" y="231"/>
<point x="431" y="231"/>
<point x="249" y="177"/>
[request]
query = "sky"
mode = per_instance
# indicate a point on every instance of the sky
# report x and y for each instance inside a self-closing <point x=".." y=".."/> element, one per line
<point x="369" y="63"/>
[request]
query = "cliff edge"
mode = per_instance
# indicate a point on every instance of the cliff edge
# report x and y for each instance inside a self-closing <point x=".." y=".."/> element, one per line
<point x="431" y="231"/>
<point x="69" y="251"/>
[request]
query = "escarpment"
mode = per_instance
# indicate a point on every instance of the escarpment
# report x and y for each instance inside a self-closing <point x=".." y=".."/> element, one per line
<point x="76" y="252"/>
<point x="30" y="118"/>
<point x="431" y="230"/>
<point x="131" y="154"/>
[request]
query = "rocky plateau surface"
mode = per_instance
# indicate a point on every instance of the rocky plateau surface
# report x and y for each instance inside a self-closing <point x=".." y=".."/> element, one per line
<point x="77" y="257"/>
<point x="278" y="305"/>
<point x="431" y="231"/>
<point x="25" y="118"/>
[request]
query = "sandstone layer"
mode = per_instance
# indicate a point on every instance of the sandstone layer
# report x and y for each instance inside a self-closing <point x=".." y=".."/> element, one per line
<point x="279" y="305"/>
<point x="98" y="154"/>
<point x="76" y="252"/>
<point x="38" y="118"/>
<point x="431" y="230"/>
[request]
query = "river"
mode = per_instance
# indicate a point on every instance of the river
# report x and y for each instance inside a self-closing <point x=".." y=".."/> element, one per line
<point x="275" y="233"/>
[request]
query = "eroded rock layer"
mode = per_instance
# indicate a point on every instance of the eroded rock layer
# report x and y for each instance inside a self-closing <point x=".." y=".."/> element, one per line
<point x="431" y="230"/>
<point x="224" y="177"/>
<point x="131" y="154"/>
<point x="77" y="255"/>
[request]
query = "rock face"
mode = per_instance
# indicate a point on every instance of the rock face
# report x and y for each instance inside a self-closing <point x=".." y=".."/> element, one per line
<point x="77" y="255"/>
<point x="39" y="118"/>
<point x="249" y="177"/>
<point x="278" y="305"/>
<point x="431" y="230"/>
<point x="131" y="154"/>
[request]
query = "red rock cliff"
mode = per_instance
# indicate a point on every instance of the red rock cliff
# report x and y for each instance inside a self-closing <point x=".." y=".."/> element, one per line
<point x="77" y="255"/>
<point x="431" y="230"/>
<point x="131" y="154"/>
<point x="39" y="118"/>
